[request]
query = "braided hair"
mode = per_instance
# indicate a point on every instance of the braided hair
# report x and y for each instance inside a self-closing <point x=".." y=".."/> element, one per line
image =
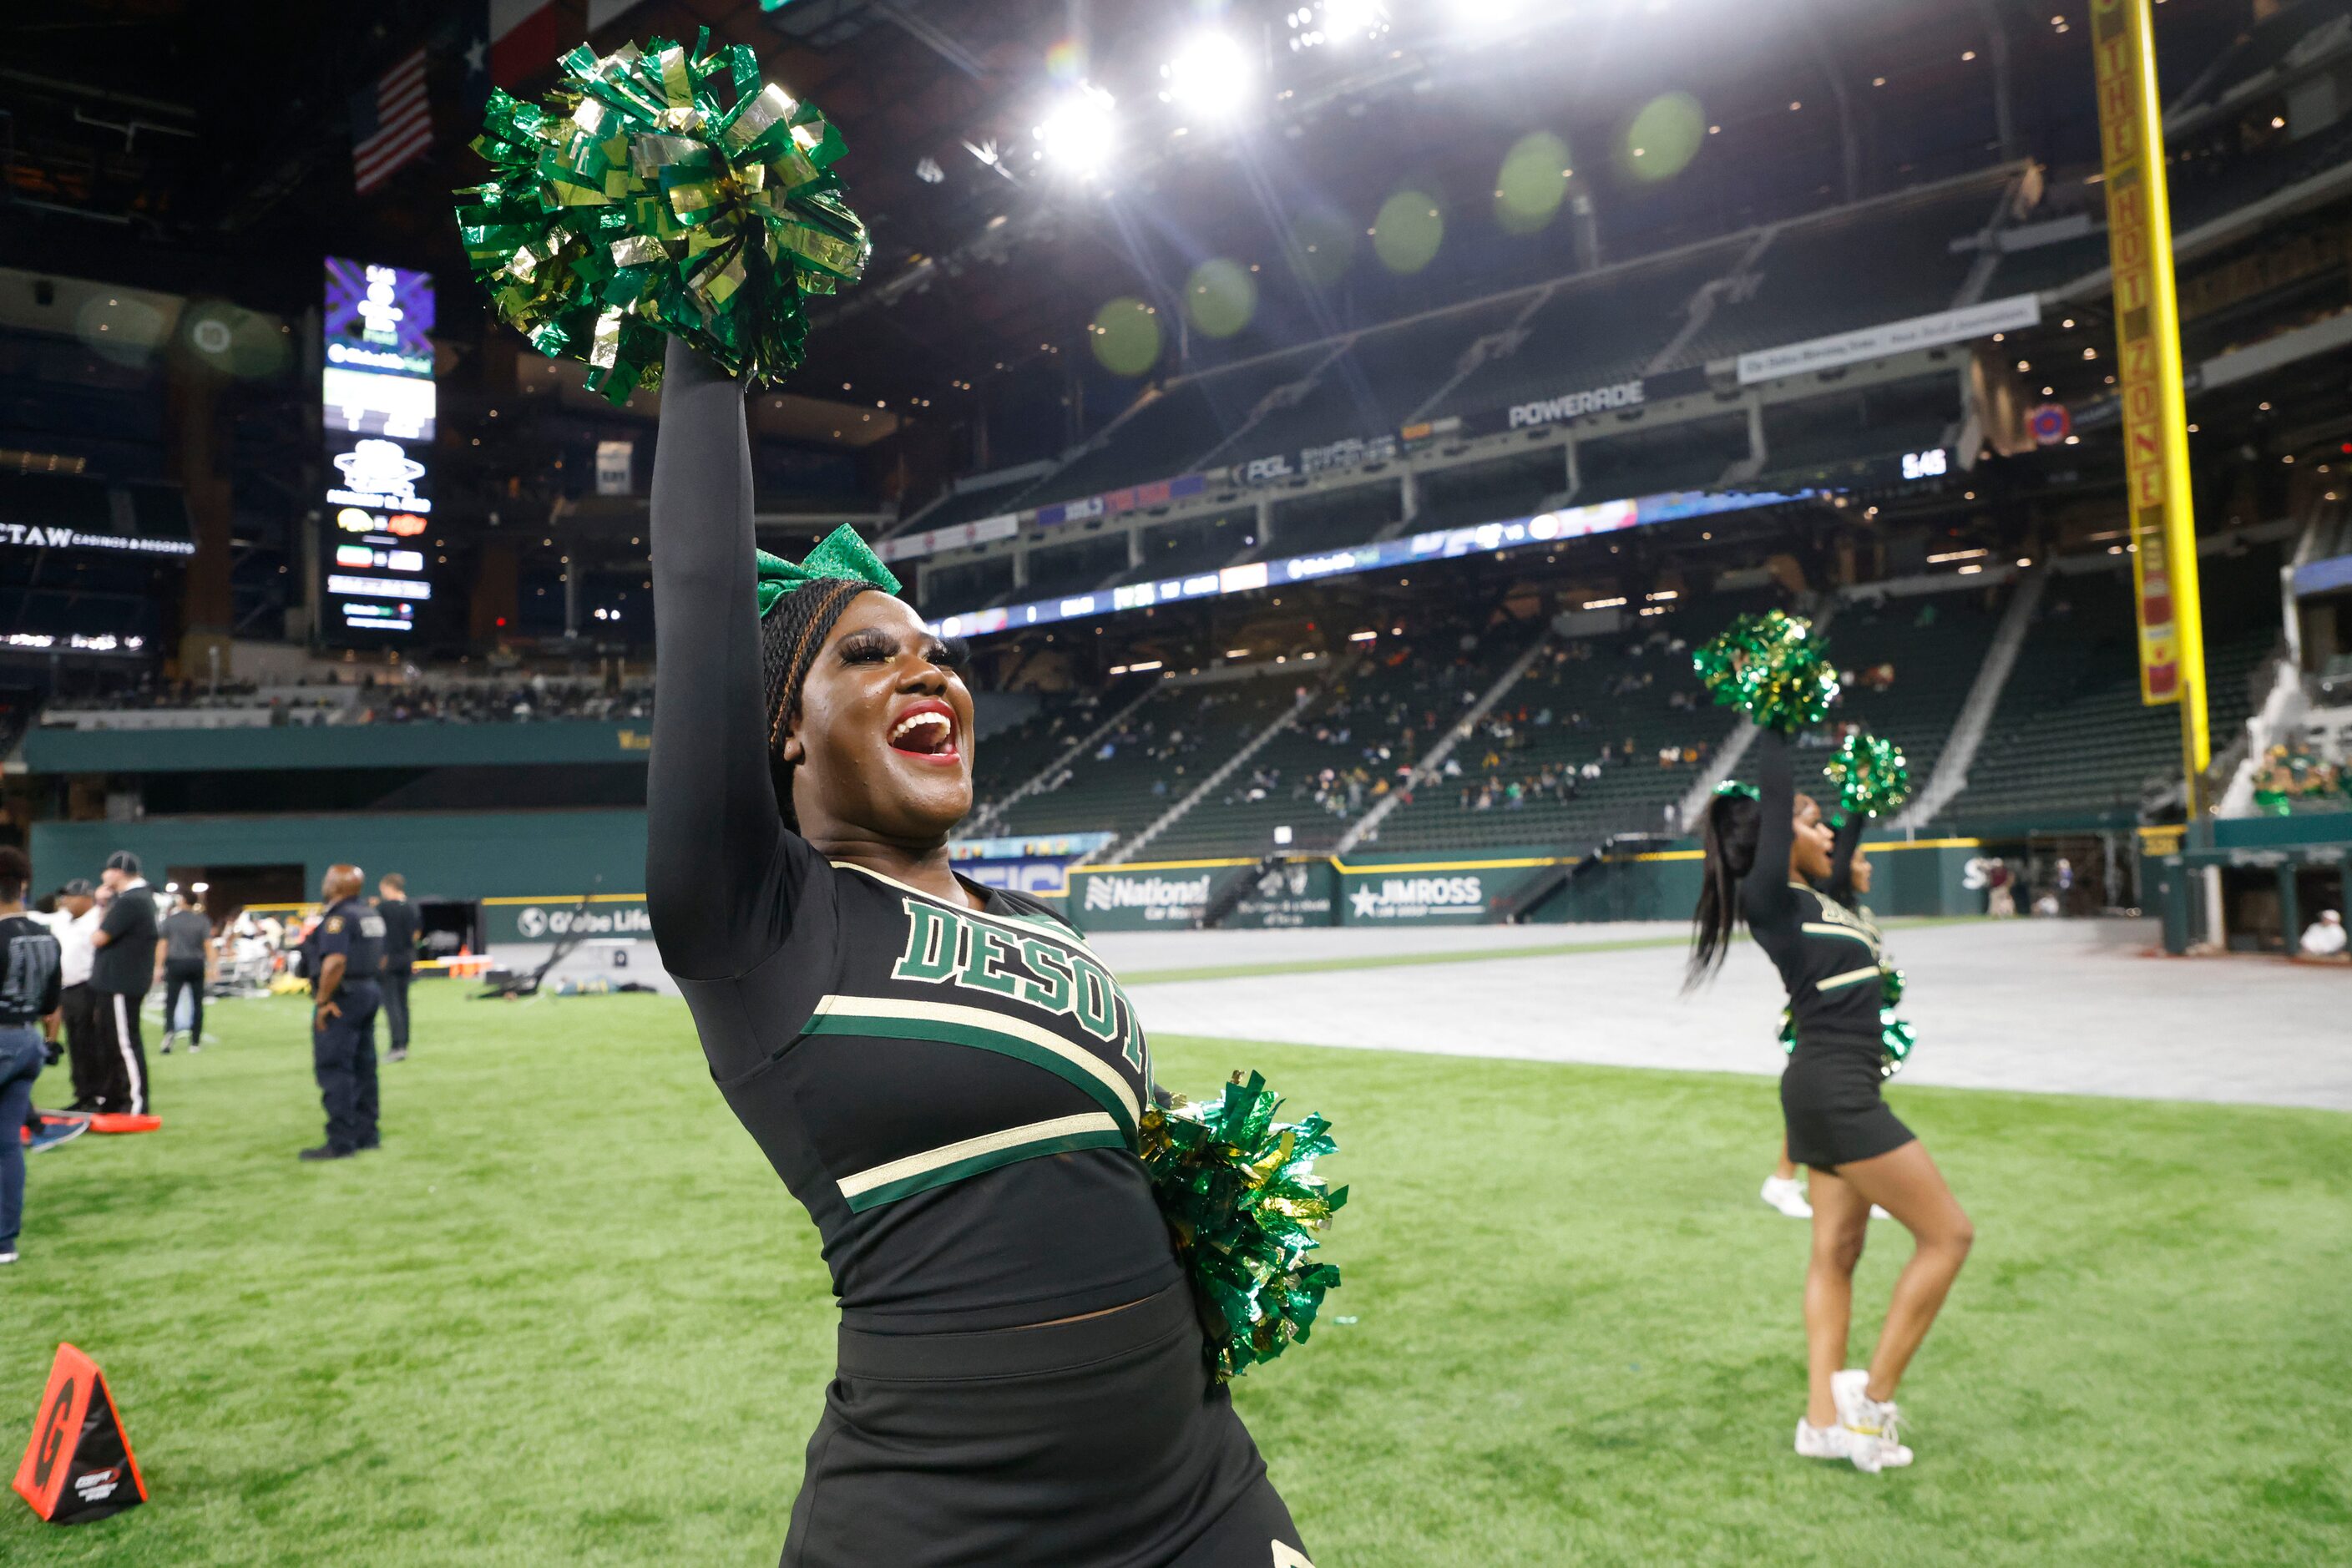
<point x="790" y="634"/>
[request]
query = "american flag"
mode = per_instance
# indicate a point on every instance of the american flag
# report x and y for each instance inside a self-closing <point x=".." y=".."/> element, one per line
<point x="391" y="126"/>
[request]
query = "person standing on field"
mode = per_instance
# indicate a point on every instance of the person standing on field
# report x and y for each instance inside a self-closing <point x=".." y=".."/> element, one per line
<point x="74" y="924"/>
<point x="29" y="994"/>
<point x="399" y="959"/>
<point x="120" y="976"/>
<point x="348" y="949"/>
<point x="187" y="967"/>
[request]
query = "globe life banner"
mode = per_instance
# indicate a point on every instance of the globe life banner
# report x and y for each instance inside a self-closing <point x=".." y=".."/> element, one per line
<point x="606" y="916"/>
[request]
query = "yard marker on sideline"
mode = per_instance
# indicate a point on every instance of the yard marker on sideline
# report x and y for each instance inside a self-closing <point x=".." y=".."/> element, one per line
<point x="78" y="1466"/>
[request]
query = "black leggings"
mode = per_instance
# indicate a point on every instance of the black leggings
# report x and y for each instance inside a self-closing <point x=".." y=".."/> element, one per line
<point x="190" y="979"/>
<point x="1099" y="1442"/>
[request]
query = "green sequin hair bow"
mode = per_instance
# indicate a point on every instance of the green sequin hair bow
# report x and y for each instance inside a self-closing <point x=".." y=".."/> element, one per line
<point x="657" y="192"/>
<point x="1771" y="668"/>
<point x="1872" y="775"/>
<point x="1734" y="787"/>
<point x="840" y="553"/>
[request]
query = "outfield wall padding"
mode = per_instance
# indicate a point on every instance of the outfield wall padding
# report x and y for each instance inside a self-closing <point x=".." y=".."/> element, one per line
<point x="307" y="746"/>
<point x="549" y="855"/>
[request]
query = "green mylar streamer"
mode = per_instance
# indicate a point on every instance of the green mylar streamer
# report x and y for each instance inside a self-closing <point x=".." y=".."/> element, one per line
<point x="1770" y="669"/>
<point x="1239" y="1190"/>
<point x="1872" y="775"/>
<point x="655" y="192"/>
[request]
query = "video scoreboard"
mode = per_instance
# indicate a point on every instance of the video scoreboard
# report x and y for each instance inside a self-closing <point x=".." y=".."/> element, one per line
<point x="377" y="408"/>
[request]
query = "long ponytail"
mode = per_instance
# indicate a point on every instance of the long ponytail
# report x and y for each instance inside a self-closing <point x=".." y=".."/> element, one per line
<point x="1731" y="835"/>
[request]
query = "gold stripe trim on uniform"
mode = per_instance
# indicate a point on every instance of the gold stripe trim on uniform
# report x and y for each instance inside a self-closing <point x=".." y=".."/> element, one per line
<point x="987" y="1145"/>
<point x="1823" y="928"/>
<point x="1851" y="977"/>
<point x="848" y="1009"/>
<point x="1048" y="927"/>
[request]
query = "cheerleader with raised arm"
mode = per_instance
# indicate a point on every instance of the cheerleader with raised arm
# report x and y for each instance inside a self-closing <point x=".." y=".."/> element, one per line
<point x="1768" y="859"/>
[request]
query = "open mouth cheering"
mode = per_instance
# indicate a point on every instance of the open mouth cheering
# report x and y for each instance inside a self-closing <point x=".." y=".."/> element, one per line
<point x="926" y="729"/>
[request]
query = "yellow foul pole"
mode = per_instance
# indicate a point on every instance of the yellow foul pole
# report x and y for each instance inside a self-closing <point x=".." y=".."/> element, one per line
<point x="2148" y="340"/>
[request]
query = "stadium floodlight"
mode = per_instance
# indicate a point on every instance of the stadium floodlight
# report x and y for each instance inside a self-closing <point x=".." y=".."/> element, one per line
<point x="1078" y="130"/>
<point x="1211" y="75"/>
<point x="1337" y="22"/>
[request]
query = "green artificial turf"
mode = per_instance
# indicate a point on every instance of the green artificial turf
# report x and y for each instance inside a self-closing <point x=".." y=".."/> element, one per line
<point x="567" y="1315"/>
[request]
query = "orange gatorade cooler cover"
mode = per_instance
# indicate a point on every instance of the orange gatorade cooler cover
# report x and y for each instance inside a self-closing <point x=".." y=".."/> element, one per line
<point x="78" y="1466"/>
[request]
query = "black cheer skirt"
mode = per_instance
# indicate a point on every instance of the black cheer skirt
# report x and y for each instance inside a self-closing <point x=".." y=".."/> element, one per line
<point x="1100" y="1442"/>
<point x="1831" y="1102"/>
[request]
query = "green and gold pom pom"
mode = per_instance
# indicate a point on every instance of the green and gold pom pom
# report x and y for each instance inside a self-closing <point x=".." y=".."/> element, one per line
<point x="654" y="193"/>
<point x="1239" y="1190"/>
<point x="1872" y="775"/>
<point x="1770" y="669"/>
<point x="1895" y="1038"/>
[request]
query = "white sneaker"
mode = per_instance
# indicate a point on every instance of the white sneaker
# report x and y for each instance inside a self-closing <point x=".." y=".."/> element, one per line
<point x="1833" y="1442"/>
<point x="7" y="1258"/>
<point x="1787" y="1194"/>
<point x="1874" y="1423"/>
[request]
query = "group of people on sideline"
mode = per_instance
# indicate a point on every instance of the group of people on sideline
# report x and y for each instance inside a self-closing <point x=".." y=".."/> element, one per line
<point x="77" y="975"/>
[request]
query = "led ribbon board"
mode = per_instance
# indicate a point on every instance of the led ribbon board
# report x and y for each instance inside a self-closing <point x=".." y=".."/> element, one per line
<point x="1543" y="528"/>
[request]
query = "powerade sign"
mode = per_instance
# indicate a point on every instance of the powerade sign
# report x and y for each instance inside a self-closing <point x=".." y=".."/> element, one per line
<point x="560" y="919"/>
<point x="1575" y="405"/>
<point x="1419" y="899"/>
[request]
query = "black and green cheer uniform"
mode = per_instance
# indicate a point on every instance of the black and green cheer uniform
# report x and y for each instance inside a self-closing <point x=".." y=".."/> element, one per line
<point x="1828" y="958"/>
<point x="953" y="1093"/>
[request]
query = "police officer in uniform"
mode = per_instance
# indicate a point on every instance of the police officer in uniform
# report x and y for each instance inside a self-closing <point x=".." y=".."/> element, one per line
<point x="348" y="947"/>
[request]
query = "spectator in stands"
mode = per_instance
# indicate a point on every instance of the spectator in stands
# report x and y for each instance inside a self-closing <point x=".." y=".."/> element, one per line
<point x="184" y="967"/>
<point x="2323" y="938"/>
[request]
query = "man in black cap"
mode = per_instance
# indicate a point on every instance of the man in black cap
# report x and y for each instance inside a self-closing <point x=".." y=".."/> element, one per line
<point x="349" y="948"/>
<point x="119" y="977"/>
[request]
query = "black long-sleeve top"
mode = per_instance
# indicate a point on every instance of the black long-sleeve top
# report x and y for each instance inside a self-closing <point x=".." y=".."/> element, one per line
<point x="951" y="1092"/>
<point x="1827" y="954"/>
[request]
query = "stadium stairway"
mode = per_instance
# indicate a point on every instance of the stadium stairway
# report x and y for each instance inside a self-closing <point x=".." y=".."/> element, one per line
<point x="1282" y="721"/>
<point x="2070" y="742"/>
<point x="983" y="821"/>
<point x="1369" y="825"/>
<point x="1150" y="757"/>
<point x="1947" y="772"/>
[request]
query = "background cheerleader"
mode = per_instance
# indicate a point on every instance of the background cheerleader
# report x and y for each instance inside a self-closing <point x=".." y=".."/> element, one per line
<point x="1765" y="860"/>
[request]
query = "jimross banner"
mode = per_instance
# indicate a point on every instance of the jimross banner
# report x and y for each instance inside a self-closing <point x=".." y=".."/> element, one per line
<point x="1433" y="892"/>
